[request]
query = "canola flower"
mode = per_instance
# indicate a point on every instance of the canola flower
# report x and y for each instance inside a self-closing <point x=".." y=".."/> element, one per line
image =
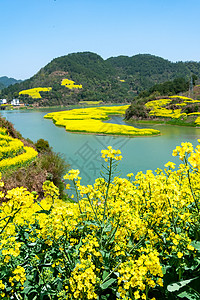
<point x="180" y="97"/>
<point x="111" y="153"/>
<point x="89" y="120"/>
<point x="197" y="121"/>
<point x="35" y="92"/>
<point x="70" y="84"/>
<point x="90" y="102"/>
<point x="126" y="239"/>
<point x="159" y="108"/>
<point x="13" y="153"/>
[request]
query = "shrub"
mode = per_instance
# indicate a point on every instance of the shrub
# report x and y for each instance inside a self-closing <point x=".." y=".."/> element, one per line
<point x="42" y="145"/>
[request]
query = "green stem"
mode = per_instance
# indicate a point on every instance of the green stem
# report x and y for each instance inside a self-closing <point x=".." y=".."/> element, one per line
<point x="109" y="181"/>
<point x="77" y="195"/>
<point x="146" y="292"/>
<point x="121" y="261"/>
<point x="42" y="277"/>
<point x="189" y="179"/>
<point x="9" y="217"/>
<point x="93" y="208"/>
<point x="114" y="231"/>
<point x="18" y="296"/>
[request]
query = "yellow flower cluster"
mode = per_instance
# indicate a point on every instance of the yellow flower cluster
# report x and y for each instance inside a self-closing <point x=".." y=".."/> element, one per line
<point x="90" y="102"/>
<point x="10" y="149"/>
<point x="83" y="280"/>
<point x="111" y="153"/>
<point x="138" y="273"/>
<point x="35" y="92"/>
<point x="73" y="174"/>
<point x="90" y="120"/>
<point x="183" y="150"/>
<point x="120" y="235"/>
<point x="197" y="121"/>
<point x="13" y="152"/>
<point x="70" y="84"/>
<point x="3" y="130"/>
<point x="180" y="97"/>
<point x="159" y="108"/>
<point x="19" y="275"/>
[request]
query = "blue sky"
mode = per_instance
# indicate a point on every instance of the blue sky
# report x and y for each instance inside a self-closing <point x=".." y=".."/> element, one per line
<point x="33" y="32"/>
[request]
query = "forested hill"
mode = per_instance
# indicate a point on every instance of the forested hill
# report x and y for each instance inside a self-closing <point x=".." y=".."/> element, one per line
<point x="142" y="71"/>
<point x="117" y="79"/>
<point x="5" y="81"/>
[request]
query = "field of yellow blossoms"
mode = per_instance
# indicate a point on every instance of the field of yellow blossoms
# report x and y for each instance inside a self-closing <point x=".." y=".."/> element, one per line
<point x="90" y="120"/>
<point x="13" y="153"/>
<point x="35" y="92"/>
<point x="90" y="102"/>
<point x="122" y="238"/>
<point x="70" y="84"/>
<point x="175" y="107"/>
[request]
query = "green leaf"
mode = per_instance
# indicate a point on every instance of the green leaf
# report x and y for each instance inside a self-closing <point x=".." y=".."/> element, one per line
<point x="105" y="274"/>
<point x="27" y="289"/>
<point x="47" y="212"/>
<point x="196" y="245"/>
<point x="108" y="228"/>
<point x="106" y="284"/>
<point x="190" y="295"/>
<point x="178" y="285"/>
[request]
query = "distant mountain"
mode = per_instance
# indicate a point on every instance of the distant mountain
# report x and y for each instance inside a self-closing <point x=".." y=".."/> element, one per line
<point x="117" y="79"/>
<point x="5" y="81"/>
<point x="2" y="86"/>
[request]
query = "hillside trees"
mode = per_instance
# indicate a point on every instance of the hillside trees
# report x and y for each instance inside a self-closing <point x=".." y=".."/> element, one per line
<point x="116" y="79"/>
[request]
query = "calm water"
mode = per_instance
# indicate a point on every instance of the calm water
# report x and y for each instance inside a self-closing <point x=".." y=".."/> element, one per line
<point x="83" y="151"/>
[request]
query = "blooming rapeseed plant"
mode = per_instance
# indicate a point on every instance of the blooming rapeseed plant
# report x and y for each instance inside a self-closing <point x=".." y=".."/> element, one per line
<point x="164" y="108"/>
<point x="35" y="92"/>
<point x="89" y="120"/>
<point x="13" y="153"/>
<point x="70" y="84"/>
<point x="121" y="239"/>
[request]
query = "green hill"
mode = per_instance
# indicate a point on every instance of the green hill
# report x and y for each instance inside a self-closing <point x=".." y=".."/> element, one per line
<point x="2" y="86"/>
<point x="117" y="79"/>
<point x="5" y="82"/>
<point x="142" y="71"/>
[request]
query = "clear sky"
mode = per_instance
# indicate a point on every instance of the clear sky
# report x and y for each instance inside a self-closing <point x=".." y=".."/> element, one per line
<point x="33" y="32"/>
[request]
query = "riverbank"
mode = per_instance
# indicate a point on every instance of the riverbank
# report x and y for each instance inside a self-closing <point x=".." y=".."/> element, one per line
<point x="62" y="107"/>
<point x="163" y="122"/>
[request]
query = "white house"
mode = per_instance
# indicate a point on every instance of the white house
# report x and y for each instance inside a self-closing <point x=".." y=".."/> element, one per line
<point x="15" y="102"/>
<point x="3" y="101"/>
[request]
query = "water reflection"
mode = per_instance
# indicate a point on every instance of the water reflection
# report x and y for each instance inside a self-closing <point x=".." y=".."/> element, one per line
<point x="82" y="151"/>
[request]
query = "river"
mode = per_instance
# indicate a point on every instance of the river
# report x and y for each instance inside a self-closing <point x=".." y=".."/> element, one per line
<point x="82" y="151"/>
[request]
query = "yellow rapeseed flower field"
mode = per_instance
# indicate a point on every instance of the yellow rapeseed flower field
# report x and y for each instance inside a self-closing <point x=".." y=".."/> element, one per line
<point x="89" y="120"/>
<point x="159" y="107"/>
<point x="13" y="153"/>
<point x="35" y="92"/>
<point x="70" y="84"/>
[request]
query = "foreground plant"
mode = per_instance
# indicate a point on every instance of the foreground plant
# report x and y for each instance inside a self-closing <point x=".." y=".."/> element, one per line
<point x="120" y="239"/>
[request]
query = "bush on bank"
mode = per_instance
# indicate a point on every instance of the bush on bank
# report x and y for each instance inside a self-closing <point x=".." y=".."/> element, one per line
<point x="123" y="238"/>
